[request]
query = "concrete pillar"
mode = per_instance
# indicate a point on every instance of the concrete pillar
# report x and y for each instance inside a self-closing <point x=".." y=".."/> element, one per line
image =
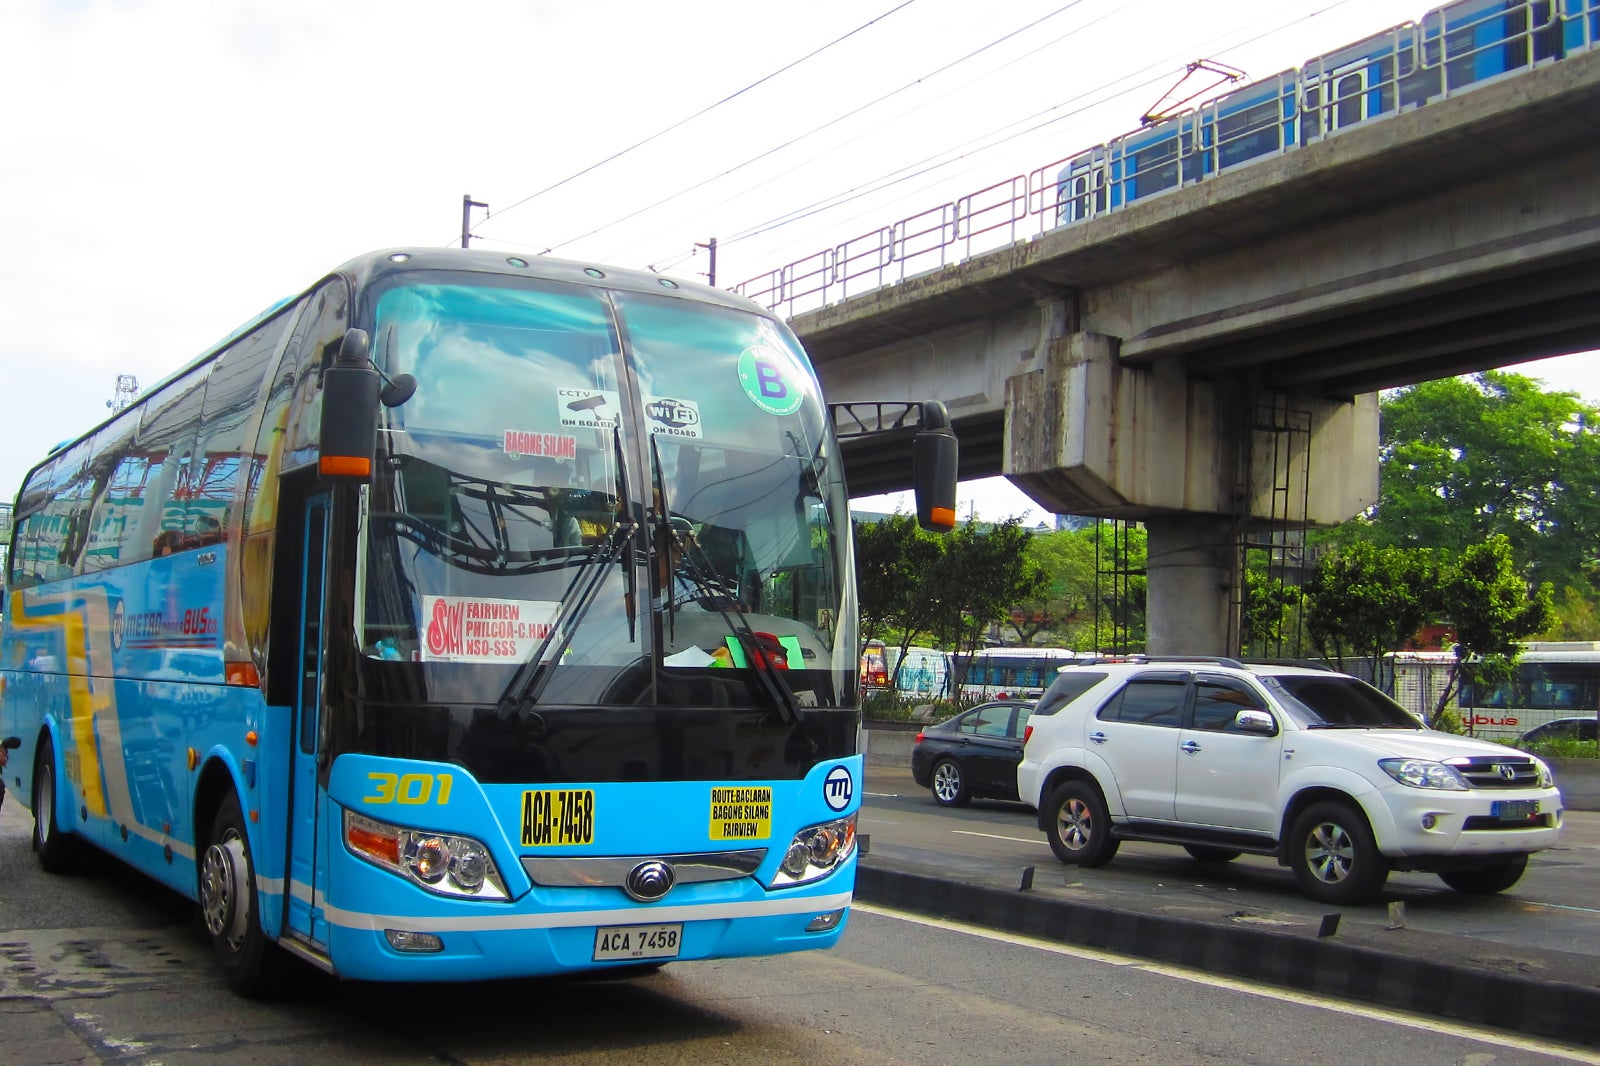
<point x="1190" y="574"/>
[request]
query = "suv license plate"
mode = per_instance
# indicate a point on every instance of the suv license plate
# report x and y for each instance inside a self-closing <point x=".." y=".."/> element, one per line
<point x="1514" y="810"/>
<point x="638" y="941"/>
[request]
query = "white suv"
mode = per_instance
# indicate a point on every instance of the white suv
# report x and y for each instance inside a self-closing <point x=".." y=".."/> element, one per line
<point x="1317" y="768"/>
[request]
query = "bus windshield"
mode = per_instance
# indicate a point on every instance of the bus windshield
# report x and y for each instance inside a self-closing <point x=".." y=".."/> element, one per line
<point x="487" y="507"/>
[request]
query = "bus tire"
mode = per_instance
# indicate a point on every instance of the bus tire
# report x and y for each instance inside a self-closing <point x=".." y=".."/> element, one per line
<point x="57" y="848"/>
<point x="230" y="908"/>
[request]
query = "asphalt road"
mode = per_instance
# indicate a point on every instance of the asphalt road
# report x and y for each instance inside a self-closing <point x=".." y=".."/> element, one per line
<point x="105" y="967"/>
<point x="1547" y="925"/>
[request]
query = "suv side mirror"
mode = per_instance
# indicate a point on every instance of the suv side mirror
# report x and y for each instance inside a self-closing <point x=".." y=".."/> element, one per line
<point x="1258" y="722"/>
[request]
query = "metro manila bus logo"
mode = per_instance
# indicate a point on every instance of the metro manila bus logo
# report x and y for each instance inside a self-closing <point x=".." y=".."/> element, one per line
<point x="466" y="629"/>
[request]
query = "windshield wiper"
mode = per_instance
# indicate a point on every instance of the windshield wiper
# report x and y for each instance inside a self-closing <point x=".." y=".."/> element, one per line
<point x="777" y="688"/>
<point x="528" y="683"/>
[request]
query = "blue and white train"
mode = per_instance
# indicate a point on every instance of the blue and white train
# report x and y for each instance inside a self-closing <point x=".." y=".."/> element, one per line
<point x="1451" y="49"/>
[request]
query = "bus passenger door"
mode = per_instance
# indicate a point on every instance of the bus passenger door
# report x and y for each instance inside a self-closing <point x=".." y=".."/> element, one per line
<point x="304" y="894"/>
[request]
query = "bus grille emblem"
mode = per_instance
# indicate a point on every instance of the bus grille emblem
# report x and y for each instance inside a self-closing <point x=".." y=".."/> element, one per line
<point x="649" y="881"/>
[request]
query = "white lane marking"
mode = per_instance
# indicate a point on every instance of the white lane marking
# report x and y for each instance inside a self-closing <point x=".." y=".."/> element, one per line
<point x="1283" y="995"/>
<point x="997" y="836"/>
<point x="1558" y="906"/>
<point x="884" y="795"/>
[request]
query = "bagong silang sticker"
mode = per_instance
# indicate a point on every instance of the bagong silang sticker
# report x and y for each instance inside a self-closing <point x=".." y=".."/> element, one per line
<point x="672" y="417"/>
<point x="587" y="408"/>
<point x="772" y="379"/>
<point x="469" y="629"/>
<point x="548" y="445"/>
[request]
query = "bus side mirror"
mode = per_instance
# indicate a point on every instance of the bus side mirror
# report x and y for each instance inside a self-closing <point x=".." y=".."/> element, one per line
<point x="349" y="439"/>
<point x="934" y="455"/>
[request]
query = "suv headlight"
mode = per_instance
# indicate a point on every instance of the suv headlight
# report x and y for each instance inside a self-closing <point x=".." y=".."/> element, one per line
<point x="443" y="863"/>
<point x="816" y="851"/>
<point x="1546" y="778"/>
<point x="1422" y="773"/>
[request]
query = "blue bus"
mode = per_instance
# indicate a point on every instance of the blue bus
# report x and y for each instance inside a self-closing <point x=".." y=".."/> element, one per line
<point x="464" y="617"/>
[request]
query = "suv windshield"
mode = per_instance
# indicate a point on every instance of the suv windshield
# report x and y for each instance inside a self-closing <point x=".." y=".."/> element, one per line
<point x="1329" y="701"/>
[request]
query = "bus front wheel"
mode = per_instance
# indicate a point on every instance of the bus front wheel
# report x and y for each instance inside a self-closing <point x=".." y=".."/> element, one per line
<point x="57" y="849"/>
<point x="230" y="909"/>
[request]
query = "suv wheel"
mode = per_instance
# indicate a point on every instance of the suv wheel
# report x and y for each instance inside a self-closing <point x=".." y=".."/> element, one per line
<point x="1333" y="855"/>
<point x="949" y="784"/>
<point x="1487" y="879"/>
<point x="1079" y="827"/>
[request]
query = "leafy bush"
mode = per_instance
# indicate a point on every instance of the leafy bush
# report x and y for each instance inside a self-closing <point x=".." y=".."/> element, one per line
<point x="1564" y="749"/>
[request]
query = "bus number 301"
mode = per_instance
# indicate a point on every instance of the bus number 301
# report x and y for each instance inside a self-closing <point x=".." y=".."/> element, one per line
<point x="409" y="788"/>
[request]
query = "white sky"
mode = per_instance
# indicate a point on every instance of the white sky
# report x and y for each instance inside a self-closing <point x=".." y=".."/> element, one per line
<point x="174" y="166"/>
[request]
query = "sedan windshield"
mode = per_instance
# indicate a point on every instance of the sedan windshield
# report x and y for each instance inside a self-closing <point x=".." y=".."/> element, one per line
<point x="1333" y="702"/>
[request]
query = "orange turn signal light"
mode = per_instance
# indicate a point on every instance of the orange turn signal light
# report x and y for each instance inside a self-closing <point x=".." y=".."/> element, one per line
<point x="344" y="466"/>
<point x="243" y="674"/>
<point x="943" y="518"/>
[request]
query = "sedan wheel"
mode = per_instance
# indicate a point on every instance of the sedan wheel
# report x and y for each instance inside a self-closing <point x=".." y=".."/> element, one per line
<point x="949" y="784"/>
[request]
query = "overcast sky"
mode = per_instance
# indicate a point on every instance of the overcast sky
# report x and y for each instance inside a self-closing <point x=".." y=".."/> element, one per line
<point x="174" y="166"/>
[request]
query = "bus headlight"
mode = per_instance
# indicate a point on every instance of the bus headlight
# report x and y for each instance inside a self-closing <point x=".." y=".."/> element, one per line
<point x="816" y="851"/>
<point x="439" y="862"/>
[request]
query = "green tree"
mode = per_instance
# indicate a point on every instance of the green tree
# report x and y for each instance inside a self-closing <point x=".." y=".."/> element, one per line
<point x="1462" y="459"/>
<point x="892" y="556"/>
<point x="1491" y="607"/>
<point x="984" y="571"/>
<point x="1364" y="600"/>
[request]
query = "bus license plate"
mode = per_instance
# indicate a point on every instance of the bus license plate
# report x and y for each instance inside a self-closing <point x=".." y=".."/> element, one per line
<point x="638" y="941"/>
<point x="1514" y="810"/>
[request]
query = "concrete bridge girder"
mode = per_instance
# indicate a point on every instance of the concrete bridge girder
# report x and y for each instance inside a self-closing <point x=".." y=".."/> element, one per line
<point x="1086" y="434"/>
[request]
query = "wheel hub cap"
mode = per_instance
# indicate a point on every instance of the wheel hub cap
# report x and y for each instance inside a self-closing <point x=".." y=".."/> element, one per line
<point x="1075" y="824"/>
<point x="223" y="892"/>
<point x="1329" y="853"/>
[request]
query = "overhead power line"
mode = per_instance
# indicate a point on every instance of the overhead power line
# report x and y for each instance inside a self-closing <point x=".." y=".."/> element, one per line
<point x="791" y="142"/>
<point x="710" y="107"/>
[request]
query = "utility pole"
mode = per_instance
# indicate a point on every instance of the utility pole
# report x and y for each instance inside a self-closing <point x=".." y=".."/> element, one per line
<point x="711" y="274"/>
<point x="127" y="390"/>
<point x="467" y="204"/>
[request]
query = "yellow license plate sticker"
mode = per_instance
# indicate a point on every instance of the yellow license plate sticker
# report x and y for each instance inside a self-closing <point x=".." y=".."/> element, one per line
<point x="741" y="813"/>
<point x="555" y="817"/>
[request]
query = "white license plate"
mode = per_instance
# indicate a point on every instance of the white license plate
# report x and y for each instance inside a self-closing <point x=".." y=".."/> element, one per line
<point x="1514" y="810"/>
<point x="638" y="941"/>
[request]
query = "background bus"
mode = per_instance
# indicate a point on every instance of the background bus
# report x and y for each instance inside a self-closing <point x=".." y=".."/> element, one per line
<point x="1552" y="680"/>
<point x="1017" y="673"/>
<point x="462" y="617"/>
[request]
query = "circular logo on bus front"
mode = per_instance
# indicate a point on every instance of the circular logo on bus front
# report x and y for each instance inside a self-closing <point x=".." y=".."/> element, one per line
<point x="119" y="625"/>
<point x="838" y="788"/>
<point x="771" y="379"/>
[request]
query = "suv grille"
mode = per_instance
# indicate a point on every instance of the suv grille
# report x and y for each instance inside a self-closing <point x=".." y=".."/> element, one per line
<point x="1494" y="771"/>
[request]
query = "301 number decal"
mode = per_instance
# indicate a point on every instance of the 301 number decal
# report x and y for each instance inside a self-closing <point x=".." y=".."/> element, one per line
<point x="407" y="788"/>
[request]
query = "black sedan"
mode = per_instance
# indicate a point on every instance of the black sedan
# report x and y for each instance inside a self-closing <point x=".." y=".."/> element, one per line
<point x="974" y="754"/>
<point x="1562" y="729"/>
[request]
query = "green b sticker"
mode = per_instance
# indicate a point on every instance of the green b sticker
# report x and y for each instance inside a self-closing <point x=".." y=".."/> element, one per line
<point x="771" y="380"/>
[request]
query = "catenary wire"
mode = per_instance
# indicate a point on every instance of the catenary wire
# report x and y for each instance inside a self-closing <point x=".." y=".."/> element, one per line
<point x="708" y="108"/>
<point x="816" y="129"/>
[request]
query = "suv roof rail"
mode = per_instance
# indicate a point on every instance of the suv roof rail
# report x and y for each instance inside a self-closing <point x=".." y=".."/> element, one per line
<point x="1220" y="660"/>
<point x="1309" y="664"/>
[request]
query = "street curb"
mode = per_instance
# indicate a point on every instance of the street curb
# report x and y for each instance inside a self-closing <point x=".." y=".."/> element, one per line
<point x="1554" y="1009"/>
